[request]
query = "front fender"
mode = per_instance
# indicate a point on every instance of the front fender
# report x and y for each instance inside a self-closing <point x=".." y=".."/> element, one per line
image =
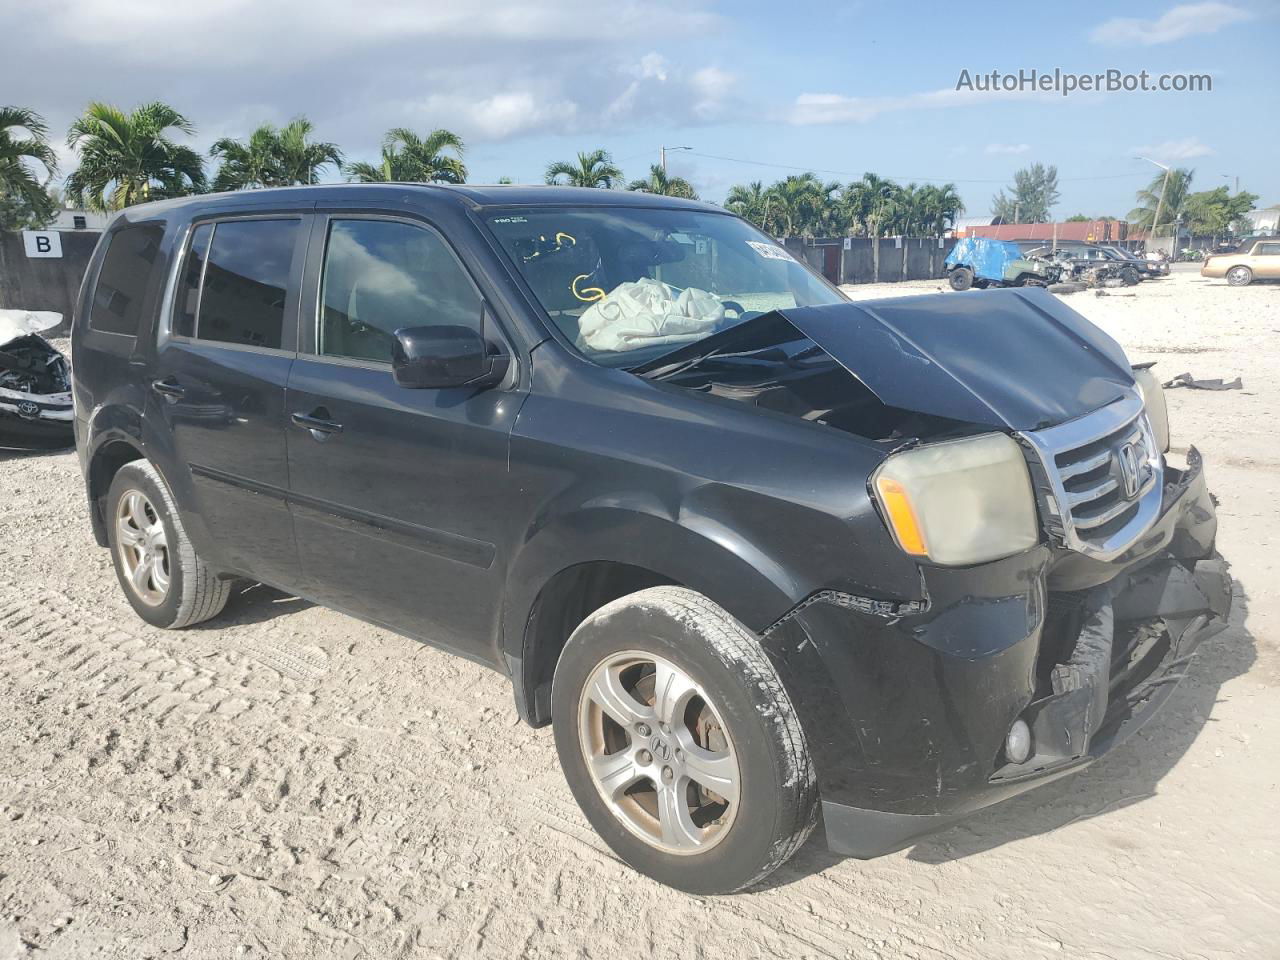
<point x="695" y="550"/>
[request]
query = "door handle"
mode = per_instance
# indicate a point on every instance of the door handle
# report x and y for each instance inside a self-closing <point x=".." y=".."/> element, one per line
<point x="317" y="422"/>
<point x="168" y="387"/>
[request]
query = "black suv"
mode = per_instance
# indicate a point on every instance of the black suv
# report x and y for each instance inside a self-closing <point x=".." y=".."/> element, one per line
<point x="753" y="550"/>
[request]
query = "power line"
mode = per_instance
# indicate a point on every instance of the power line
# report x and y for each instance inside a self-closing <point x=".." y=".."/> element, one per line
<point x="849" y="173"/>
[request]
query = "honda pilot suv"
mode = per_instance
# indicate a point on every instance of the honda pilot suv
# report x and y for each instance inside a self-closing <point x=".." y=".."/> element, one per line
<point x="755" y="552"/>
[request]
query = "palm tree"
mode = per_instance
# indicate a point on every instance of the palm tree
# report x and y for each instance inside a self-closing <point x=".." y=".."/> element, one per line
<point x="877" y="197"/>
<point x="128" y="158"/>
<point x="408" y="158"/>
<point x="658" y="182"/>
<point x="273" y="158"/>
<point x="795" y="205"/>
<point x="750" y="202"/>
<point x="300" y="159"/>
<point x="246" y="165"/>
<point x="1175" y="194"/>
<point x="21" y="189"/>
<point x="594" y="169"/>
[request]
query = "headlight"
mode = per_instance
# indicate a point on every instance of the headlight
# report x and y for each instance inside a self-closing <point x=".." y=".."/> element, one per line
<point x="1157" y="409"/>
<point x="959" y="502"/>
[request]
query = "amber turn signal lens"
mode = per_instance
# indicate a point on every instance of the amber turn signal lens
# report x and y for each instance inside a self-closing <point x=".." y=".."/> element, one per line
<point x="901" y="517"/>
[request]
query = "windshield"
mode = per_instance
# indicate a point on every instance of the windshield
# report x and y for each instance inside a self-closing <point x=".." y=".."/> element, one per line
<point x="628" y="285"/>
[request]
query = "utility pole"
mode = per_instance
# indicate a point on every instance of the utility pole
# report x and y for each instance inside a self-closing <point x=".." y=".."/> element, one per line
<point x="1160" y="201"/>
<point x="662" y="155"/>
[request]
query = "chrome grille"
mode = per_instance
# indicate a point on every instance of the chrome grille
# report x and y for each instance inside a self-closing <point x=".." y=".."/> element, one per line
<point x="1101" y="478"/>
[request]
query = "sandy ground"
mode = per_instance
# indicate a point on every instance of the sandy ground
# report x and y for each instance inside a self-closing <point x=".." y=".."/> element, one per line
<point x="287" y="782"/>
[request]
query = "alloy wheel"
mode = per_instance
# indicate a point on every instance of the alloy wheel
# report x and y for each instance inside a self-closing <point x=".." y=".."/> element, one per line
<point x="658" y="752"/>
<point x="143" y="548"/>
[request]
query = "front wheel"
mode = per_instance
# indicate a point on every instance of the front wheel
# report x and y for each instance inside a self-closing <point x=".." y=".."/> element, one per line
<point x="1239" y="276"/>
<point x="680" y="742"/>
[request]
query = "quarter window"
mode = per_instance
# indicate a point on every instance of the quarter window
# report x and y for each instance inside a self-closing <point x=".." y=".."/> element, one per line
<point x="1269" y="249"/>
<point x="117" y="298"/>
<point x="188" y="299"/>
<point x="381" y="276"/>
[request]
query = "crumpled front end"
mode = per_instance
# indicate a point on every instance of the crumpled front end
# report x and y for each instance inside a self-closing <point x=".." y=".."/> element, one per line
<point x="914" y="709"/>
<point x="35" y="394"/>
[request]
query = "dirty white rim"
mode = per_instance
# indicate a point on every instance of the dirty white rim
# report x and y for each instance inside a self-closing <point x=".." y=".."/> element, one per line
<point x="658" y="752"/>
<point x="143" y="548"/>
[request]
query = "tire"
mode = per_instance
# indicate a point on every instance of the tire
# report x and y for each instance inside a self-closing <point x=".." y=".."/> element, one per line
<point x="731" y="693"/>
<point x="1240" y="276"/>
<point x="180" y="588"/>
<point x="1067" y="287"/>
<point x="1130" y="276"/>
<point x="961" y="278"/>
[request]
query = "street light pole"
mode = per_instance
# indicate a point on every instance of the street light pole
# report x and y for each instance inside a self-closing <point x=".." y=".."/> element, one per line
<point x="662" y="155"/>
<point x="1160" y="202"/>
<point x="1228" y="176"/>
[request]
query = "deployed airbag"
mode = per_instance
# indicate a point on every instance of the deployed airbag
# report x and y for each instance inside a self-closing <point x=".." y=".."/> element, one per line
<point x="646" y="313"/>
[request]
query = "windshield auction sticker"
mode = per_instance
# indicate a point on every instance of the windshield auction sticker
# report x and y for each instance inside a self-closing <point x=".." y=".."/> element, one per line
<point x="770" y="251"/>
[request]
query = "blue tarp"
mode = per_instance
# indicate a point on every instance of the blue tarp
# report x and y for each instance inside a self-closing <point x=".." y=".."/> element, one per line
<point x="986" y="258"/>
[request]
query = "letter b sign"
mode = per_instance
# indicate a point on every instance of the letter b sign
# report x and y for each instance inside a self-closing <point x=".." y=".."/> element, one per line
<point x="42" y="243"/>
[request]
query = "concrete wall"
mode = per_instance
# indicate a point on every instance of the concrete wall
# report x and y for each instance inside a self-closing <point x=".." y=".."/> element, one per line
<point x="882" y="260"/>
<point x="44" y="284"/>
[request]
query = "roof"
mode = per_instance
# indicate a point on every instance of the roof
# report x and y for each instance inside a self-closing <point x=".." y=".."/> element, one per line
<point x="1074" y="231"/>
<point x="474" y="195"/>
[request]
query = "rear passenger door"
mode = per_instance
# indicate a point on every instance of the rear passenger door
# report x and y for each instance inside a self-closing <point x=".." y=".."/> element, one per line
<point x="398" y="497"/>
<point x="217" y="388"/>
<point x="1266" y="260"/>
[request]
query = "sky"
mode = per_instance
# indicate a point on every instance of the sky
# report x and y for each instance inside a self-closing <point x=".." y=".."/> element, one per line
<point x="757" y="90"/>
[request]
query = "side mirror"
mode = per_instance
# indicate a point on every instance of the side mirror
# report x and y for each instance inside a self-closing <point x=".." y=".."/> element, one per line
<point x="434" y="358"/>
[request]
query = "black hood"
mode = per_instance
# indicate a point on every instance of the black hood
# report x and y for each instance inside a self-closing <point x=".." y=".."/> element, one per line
<point x="1013" y="359"/>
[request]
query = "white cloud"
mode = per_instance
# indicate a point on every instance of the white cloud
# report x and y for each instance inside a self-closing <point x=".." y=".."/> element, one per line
<point x="998" y="148"/>
<point x="823" y="108"/>
<point x="660" y="91"/>
<point x="1186" y="20"/>
<point x="1172" y="151"/>
<point x="507" y="70"/>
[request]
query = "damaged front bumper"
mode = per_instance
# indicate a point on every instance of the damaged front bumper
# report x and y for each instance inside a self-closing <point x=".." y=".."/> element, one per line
<point x="929" y="698"/>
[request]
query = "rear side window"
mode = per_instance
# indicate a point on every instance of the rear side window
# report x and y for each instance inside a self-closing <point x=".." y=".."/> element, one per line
<point x="117" y="298"/>
<point x="234" y="282"/>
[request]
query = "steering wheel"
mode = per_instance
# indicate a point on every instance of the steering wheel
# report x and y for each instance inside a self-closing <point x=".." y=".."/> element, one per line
<point x="733" y="305"/>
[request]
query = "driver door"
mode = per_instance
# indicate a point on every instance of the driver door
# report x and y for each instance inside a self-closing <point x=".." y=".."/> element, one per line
<point x="396" y="493"/>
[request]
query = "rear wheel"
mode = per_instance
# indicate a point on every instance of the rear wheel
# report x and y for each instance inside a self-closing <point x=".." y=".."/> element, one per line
<point x="165" y="581"/>
<point x="680" y="743"/>
<point x="1239" y="276"/>
<point x="961" y="278"/>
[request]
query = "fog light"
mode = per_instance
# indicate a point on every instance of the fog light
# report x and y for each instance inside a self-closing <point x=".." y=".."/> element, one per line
<point x="1017" y="743"/>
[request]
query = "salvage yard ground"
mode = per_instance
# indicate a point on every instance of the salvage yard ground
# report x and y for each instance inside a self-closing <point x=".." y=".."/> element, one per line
<point x="286" y="782"/>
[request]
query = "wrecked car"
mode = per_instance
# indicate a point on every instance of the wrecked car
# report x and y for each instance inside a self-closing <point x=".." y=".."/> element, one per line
<point x="1090" y="264"/>
<point x="753" y="551"/>
<point x="35" y="383"/>
<point x="981" y="262"/>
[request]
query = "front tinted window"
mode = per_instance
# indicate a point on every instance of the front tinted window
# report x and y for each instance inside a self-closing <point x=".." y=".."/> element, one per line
<point x="117" y="299"/>
<point x="246" y="281"/>
<point x="626" y="285"/>
<point x="381" y="276"/>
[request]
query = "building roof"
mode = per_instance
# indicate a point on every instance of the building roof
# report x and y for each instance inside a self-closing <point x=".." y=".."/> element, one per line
<point x="1077" y="231"/>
